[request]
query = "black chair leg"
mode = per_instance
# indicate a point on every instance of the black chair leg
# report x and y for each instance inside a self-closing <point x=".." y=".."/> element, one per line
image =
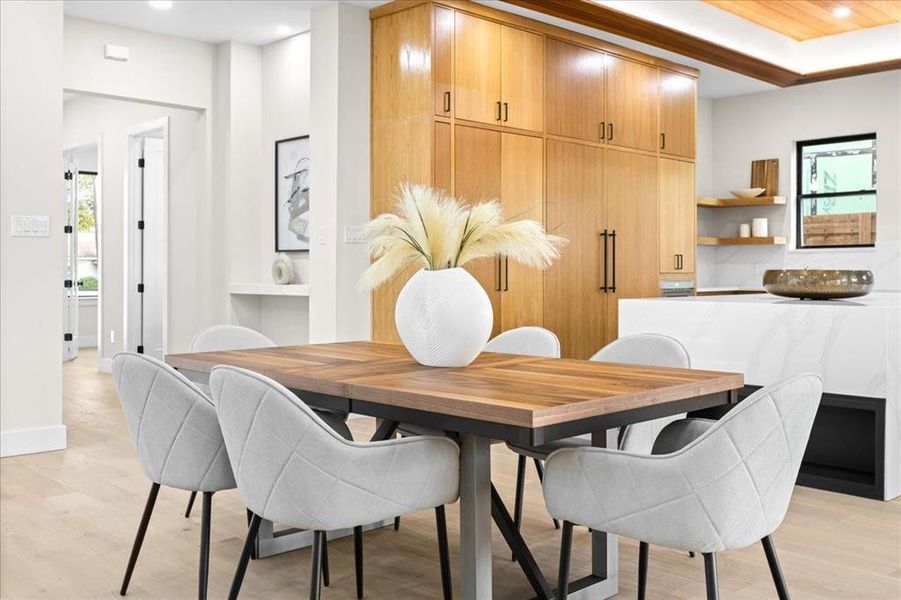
<point x="204" y="575"/>
<point x="396" y="523"/>
<point x="316" y="564"/>
<point x="520" y="489"/>
<point x="540" y="469"/>
<point x="713" y="592"/>
<point x="773" y="561"/>
<point x="444" y="553"/>
<point x="691" y="553"/>
<point x="325" y="573"/>
<point x="139" y="537"/>
<point x="249" y="542"/>
<point x="190" y="504"/>
<point x="566" y="543"/>
<point x="642" y="570"/>
<point x="358" y="558"/>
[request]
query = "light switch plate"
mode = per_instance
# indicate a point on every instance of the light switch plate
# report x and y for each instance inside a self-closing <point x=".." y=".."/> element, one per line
<point x="354" y="234"/>
<point x="29" y="226"/>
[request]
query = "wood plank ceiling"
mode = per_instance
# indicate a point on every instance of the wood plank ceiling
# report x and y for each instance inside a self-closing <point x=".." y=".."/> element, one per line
<point x="808" y="19"/>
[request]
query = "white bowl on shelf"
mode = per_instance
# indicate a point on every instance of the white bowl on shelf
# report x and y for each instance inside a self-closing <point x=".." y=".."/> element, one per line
<point x="747" y="192"/>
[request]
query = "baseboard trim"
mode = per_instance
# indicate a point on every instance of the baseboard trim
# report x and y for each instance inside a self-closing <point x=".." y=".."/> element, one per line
<point x="31" y="441"/>
<point x="104" y="365"/>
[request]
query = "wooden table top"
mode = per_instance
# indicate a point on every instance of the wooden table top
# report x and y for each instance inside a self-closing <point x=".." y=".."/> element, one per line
<point x="514" y="390"/>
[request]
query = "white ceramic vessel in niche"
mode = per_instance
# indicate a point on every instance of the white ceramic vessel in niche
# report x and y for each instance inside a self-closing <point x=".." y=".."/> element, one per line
<point x="444" y="317"/>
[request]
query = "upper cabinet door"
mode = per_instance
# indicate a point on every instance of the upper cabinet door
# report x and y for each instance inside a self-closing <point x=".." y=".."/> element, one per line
<point x="477" y="69"/>
<point x="677" y="213"/>
<point x="574" y="84"/>
<point x="677" y="114"/>
<point x="632" y="93"/>
<point x="522" y="79"/>
<point x="443" y="60"/>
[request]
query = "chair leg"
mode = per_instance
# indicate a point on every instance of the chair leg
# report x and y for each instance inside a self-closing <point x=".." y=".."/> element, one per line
<point x="444" y="553"/>
<point x="358" y="558"/>
<point x="325" y="573"/>
<point x="396" y="523"/>
<point x="517" y="503"/>
<point x="566" y="543"/>
<point x="139" y="537"/>
<point x="204" y="575"/>
<point x="316" y="564"/>
<point x="642" y="570"/>
<point x="713" y="592"/>
<point x="190" y="504"/>
<point x="773" y="561"/>
<point x="238" y="579"/>
<point x="540" y="469"/>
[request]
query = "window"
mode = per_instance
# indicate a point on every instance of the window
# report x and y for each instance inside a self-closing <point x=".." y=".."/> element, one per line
<point x="87" y="232"/>
<point x="836" y="192"/>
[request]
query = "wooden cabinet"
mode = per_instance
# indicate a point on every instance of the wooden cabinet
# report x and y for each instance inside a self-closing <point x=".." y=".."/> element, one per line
<point x="575" y="305"/>
<point x="677" y="216"/>
<point x="677" y="114"/>
<point x="522" y="79"/>
<point x="632" y="94"/>
<point x="574" y="84"/>
<point x="631" y="198"/>
<point x="443" y="59"/>
<point x="477" y="69"/>
<point x="442" y="167"/>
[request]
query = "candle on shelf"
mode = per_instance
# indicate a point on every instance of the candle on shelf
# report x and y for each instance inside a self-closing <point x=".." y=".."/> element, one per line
<point x="744" y="230"/>
<point x="759" y="227"/>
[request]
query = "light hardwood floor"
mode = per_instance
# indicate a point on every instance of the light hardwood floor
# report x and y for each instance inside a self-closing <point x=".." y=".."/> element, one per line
<point x="67" y="520"/>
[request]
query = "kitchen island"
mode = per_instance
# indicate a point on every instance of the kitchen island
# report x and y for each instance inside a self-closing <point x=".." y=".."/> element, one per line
<point x="855" y="345"/>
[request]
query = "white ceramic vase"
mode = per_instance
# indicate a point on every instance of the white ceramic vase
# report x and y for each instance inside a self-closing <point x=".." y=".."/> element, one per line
<point x="444" y="317"/>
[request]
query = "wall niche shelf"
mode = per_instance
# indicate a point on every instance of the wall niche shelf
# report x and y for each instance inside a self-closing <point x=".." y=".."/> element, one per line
<point x="740" y="241"/>
<point x="709" y="202"/>
<point x="269" y="289"/>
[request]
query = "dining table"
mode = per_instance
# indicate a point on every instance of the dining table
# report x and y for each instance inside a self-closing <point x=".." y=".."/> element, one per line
<point x="497" y="398"/>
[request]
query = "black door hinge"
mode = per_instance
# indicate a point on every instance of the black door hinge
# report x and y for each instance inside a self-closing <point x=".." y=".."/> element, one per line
<point x="140" y="163"/>
<point x="67" y="283"/>
<point x="67" y="337"/>
<point x="140" y="349"/>
<point x="67" y="175"/>
<point x="140" y="224"/>
<point x="140" y="288"/>
<point x="67" y="229"/>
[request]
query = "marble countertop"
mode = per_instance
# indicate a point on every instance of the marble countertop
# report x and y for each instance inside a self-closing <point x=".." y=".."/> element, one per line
<point x="873" y="300"/>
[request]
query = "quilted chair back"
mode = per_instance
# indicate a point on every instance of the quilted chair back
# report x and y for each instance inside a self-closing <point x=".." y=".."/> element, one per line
<point x="292" y="468"/>
<point x="645" y="349"/>
<point x="530" y="341"/>
<point x="174" y="425"/>
<point x="228" y="337"/>
<point x="727" y="489"/>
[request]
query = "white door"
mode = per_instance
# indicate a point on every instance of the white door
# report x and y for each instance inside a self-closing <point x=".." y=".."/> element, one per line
<point x="70" y="277"/>
<point x="154" y="250"/>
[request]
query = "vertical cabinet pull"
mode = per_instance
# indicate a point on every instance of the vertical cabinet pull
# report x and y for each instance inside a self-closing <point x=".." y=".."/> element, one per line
<point x="613" y="256"/>
<point x="662" y="141"/>
<point x="679" y="262"/>
<point x="603" y="286"/>
<point x="676" y="261"/>
<point x="603" y="130"/>
<point x="506" y="112"/>
<point x="497" y="285"/>
<point x="506" y="273"/>
<point x="609" y="131"/>
<point x="497" y="116"/>
<point x="446" y="101"/>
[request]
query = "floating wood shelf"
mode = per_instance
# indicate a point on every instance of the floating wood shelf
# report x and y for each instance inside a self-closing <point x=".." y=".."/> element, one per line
<point x="740" y="241"/>
<point x="269" y="289"/>
<point x="729" y="202"/>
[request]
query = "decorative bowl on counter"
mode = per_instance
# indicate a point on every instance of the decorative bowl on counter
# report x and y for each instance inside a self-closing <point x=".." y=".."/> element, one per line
<point x="818" y="284"/>
<point x="747" y="192"/>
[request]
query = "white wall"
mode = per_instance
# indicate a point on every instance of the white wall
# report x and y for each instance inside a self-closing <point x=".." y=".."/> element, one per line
<point x="705" y="259"/>
<point x="31" y="269"/>
<point x="767" y="125"/>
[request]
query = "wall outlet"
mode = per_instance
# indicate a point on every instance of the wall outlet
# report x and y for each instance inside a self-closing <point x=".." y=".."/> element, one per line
<point x="354" y="234"/>
<point x="323" y="236"/>
<point x="29" y="226"/>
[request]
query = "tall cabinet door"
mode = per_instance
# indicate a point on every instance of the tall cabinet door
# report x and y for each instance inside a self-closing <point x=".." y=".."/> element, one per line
<point x="677" y="216"/>
<point x="443" y="59"/>
<point x="477" y="176"/>
<point x="522" y="191"/>
<point x="477" y="69"/>
<point x="631" y="192"/>
<point x="522" y="79"/>
<point x="574" y="87"/>
<point x="677" y="114"/>
<point x="574" y="301"/>
<point x="631" y="104"/>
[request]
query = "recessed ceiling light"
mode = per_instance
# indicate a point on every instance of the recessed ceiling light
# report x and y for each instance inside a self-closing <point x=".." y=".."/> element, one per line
<point x="283" y="30"/>
<point x="840" y="12"/>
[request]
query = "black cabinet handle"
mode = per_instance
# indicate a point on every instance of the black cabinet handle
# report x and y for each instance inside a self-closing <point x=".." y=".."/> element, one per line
<point x="603" y="130"/>
<point x="613" y="237"/>
<point x="603" y="286"/>
<point x="506" y="112"/>
<point x="446" y="101"/>
<point x="609" y="131"/>
<point x="497" y="286"/>
<point x="506" y="273"/>
<point x="662" y="141"/>
<point x="498" y="107"/>
<point x="676" y="261"/>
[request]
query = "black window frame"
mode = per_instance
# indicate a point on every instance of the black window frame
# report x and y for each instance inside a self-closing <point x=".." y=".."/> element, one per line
<point x="800" y="196"/>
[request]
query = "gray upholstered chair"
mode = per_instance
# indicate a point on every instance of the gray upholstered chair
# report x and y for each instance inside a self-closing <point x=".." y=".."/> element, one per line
<point x="236" y="337"/>
<point x="641" y="349"/>
<point x="292" y="468"/>
<point x="726" y="489"/>
<point x="178" y="442"/>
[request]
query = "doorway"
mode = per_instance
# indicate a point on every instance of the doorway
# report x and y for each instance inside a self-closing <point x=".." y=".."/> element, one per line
<point x="146" y="226"/>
